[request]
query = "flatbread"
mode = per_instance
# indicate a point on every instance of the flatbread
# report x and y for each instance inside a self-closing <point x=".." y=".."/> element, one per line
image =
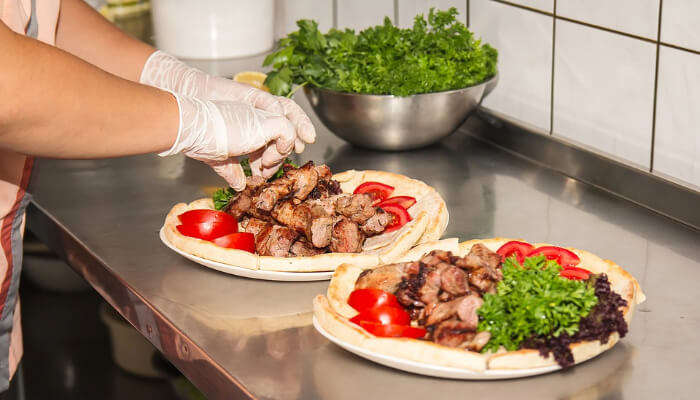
<point x="429" y="220"/>
<point x="333" y="313"/>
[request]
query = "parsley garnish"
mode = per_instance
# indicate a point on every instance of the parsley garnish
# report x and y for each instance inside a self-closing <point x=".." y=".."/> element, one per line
<point x="437" y="54"/>
<point x="533" y="300"/>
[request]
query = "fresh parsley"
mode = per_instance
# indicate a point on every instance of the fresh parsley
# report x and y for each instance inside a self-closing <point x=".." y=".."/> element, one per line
<point x="223" y="196"/>
<point x="437" y="54"/>
<point x="533" y="300"/>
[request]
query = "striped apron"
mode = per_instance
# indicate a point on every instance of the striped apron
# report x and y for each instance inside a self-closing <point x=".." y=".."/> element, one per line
<point x="37" y="19"/>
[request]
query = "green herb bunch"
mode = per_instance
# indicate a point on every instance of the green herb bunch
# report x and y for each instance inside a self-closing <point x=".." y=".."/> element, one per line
<point x="533" y="300"/>
<point x="437" y="54"/>
<point x="221" y="197"/>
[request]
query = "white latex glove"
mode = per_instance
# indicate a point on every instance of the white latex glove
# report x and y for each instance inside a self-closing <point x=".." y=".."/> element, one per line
<point x="167" y="72"/>
<point x="216" y="132"/>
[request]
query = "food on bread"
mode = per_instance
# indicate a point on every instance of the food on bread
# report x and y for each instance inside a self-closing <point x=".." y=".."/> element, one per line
<point x="522" y="311"/>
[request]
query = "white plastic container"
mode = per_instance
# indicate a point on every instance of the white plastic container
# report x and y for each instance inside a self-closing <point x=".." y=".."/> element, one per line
<point x="213" y="29"/>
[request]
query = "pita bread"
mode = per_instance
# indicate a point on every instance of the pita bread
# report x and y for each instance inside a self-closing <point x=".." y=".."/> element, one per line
<point x="429" y="220"/>
<point x="333" y="313"/>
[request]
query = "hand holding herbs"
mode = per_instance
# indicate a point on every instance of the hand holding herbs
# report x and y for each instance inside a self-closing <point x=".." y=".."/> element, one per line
<point x="437" y="54"/>
<point x="221" y="197"/>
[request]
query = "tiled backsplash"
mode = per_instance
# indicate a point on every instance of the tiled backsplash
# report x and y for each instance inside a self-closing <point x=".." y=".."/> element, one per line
<point x="621" y="77"/>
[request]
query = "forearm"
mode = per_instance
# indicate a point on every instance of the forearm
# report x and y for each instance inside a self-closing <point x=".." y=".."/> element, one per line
<point x="86" y="34"/>
<point x="60" y="106"/>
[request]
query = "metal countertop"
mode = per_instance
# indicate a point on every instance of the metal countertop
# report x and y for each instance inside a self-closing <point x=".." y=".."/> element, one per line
<point x="235" y="337"/>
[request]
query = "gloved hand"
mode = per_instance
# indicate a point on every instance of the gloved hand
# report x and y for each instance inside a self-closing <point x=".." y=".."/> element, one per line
<point x="217" y="131"/>
<point x="167" y="72"/>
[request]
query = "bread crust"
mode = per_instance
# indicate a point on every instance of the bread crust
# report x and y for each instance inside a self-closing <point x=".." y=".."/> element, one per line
<point x="334" y="307"/>
<point x="429" y="221"/>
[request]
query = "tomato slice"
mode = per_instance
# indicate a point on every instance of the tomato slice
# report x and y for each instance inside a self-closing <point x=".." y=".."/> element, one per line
<point x="377" y="190"/>
<point x="393" y="330"/>
<point x="575" y="273"/>
<point x="403" y="201"/>
<point x="564" y="257"/>
<point x="383" y="315"/>
<point x="514" y="247"/>
<point x="201" y="216"/>
<point x="400" y="214"/>
<point x="364" y="299"/>
<point x="237" y="240"/>
<point x="207" y="230"/>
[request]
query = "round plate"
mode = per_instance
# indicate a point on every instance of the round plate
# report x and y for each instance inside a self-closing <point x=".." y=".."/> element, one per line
<point x="251" y="273"/>
<point x="430" y="369"/>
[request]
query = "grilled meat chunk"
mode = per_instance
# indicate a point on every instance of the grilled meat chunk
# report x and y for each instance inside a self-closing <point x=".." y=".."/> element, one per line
<point x="386" y="278"/>
<point x="302" y="248"/>
<point x="279" y="241"/>
<point x="305" y="179"/>
<point x="321" y="231"/>
<point x="479" y="341"/>
<point x="243" y="201"/>
<point x="453" y="280"/>
<point x="376" y="223"/>
<point x="357" y="207"/>
<point x="481" y="257"/>
<point x="297" y="217"/>
<point x="453" y="333"/>
<point x="270" y="195"/>
<point x="464" y="308"/>
<point x="467" y="307"/>
<point x="346" y="237"/>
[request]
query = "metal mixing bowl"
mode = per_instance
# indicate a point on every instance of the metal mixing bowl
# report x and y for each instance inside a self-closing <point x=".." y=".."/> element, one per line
<point x="387" y="122"/>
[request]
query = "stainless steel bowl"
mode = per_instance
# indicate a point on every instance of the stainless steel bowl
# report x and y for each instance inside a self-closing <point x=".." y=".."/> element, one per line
<point x="386" y="122"/>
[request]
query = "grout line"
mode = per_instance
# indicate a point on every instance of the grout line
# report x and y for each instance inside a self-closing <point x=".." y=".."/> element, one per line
<point x="656" y="89"/>
<point x="575" y="21"/>
<point x="467" y="13"/>
<point x="602" y="28"/>
<point x="396" y="12"/>
<point x="335" y="14"/>
<point x="673" y="46"/>
<point x="551" y="96"/>
<point x="524" y="7"/>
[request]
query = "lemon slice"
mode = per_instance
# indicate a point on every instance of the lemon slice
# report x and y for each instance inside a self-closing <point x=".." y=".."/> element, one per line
<point x="252" y="78"/>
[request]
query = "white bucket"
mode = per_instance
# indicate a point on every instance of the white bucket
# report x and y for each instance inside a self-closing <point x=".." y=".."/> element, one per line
<point x="213" y="29"/>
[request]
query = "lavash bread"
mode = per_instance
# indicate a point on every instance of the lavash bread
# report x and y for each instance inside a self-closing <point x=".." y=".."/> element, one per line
<point x="429" y="220"/>
<point x="333" y="313"/>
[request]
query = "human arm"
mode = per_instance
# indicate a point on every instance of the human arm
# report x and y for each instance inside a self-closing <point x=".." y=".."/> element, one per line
<point x="60" y="106"/>
<point x="85" y="33"/>
<point x="57" y="105"/>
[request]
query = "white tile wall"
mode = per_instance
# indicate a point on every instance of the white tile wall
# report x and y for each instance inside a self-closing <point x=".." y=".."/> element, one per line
<point x="604" y="91"/>
<point x="408" y="9"/>
<point x="287" y="12"/>
<point x="524" y="43"/>
<point x="680" y="23"/>
<point x="677" y="138"/>
<point x="637" y="17"/>
<point x="543" y="5"/>
<point x="360" y="14"/>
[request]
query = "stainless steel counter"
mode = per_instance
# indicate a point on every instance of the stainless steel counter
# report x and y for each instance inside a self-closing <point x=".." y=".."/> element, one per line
<point x="236" y="337"/>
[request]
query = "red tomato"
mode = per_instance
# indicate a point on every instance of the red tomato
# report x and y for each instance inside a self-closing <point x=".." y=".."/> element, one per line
<point x="403" y="201"/>
<point x="207" y="230"/>
<point x="564" y="257"/>
<point x="364" y="299"/>
<point x="401" y="217"/>
<point x="378" y="191"/>
<point x="575" y="273"/>
<point x="519" y="249"/>
<point x="383" y="315"/>
<point x="201" y="216"/>
<point x="392" y="330"/>
<point x="238" y="240"/>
